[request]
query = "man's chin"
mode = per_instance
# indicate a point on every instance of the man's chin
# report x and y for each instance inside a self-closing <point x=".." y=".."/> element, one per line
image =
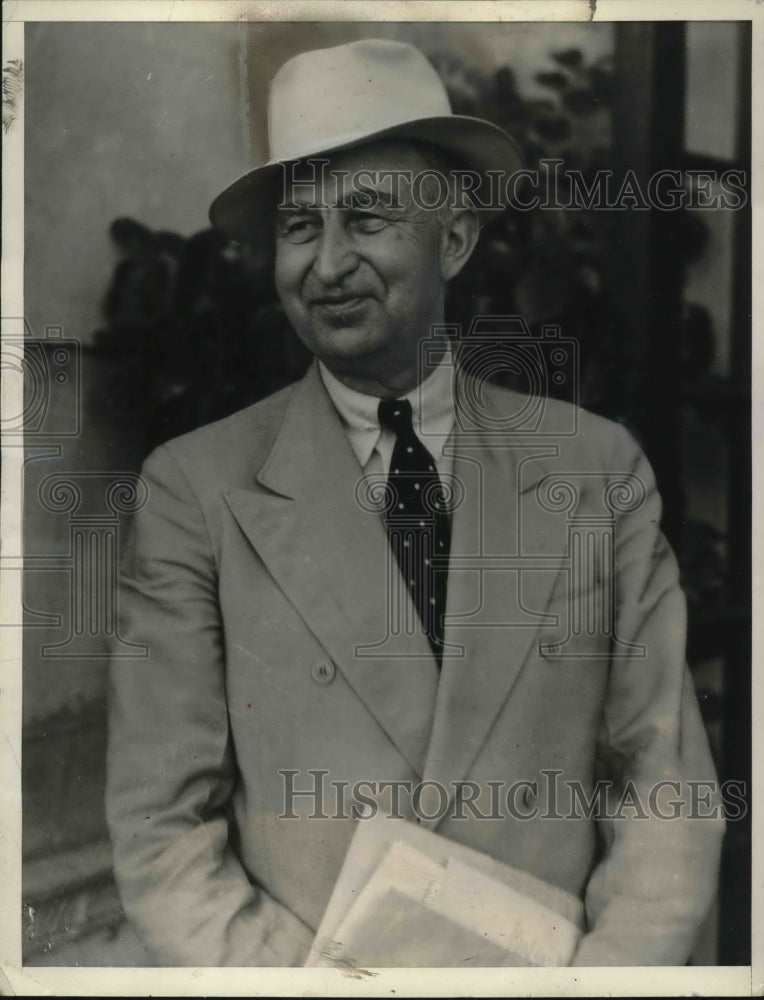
<point x="347" y="344"/>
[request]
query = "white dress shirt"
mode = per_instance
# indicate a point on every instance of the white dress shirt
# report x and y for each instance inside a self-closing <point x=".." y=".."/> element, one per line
<point x="433" y="417"/>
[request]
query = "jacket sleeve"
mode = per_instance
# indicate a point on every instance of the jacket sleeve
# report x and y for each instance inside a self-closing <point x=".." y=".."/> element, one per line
<point x="654" y="885"/>
<point x="170" y="764"/>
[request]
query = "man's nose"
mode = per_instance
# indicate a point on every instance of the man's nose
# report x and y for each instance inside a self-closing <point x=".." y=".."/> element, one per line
<point x="335" y="255"/>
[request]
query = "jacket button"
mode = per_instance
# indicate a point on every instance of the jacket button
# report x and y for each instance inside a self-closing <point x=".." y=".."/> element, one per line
<point x="323" y="672"/>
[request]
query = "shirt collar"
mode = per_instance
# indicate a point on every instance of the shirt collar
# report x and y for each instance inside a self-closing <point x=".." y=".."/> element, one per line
<point x="432" y="405"/>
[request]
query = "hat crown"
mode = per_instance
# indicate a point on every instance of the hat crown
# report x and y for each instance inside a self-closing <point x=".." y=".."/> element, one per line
<point x="324" y="98"/>
<point x="336" y="98"/>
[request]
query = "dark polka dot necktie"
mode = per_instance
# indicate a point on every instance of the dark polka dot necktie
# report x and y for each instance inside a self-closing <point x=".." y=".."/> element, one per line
<point x="417" y="520"/>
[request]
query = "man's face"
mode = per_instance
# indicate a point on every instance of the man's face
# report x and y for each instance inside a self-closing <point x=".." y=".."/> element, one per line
<point x="361" y="285"/>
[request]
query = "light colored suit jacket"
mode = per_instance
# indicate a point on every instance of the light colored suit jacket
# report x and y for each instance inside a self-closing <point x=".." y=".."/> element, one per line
<point x="253" y="575"/>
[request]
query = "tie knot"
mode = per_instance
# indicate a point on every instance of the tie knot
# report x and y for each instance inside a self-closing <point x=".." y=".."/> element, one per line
<point x="395" y="414"/>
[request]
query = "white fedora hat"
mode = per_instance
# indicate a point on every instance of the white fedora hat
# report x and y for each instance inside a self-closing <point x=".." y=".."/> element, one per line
<point x="330" y="99"/>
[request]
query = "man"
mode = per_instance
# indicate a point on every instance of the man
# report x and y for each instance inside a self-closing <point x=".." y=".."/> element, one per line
<point x="269" y="587"/>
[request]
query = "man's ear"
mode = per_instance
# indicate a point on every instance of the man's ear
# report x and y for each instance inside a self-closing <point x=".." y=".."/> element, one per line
<point x="460" y="234"/>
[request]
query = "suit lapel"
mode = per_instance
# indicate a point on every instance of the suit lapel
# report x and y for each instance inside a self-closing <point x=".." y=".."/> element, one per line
<point x="331" y="556"/>
<point x="495" y="619"/>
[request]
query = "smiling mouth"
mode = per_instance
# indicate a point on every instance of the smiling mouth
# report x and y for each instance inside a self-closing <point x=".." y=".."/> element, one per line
<point x="343" y="305"/>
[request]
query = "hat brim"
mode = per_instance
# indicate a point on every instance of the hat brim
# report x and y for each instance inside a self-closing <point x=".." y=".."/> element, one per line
<point x="244" y="209"/>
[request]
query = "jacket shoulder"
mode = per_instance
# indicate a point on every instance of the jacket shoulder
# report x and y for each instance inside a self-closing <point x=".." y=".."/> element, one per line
<point x="575" y="430"/>
<point x="229" y="451"/>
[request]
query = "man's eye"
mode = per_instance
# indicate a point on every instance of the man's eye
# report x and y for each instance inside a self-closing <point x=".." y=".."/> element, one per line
<point x="367" y="222"/>
<point x="300" y="230"/>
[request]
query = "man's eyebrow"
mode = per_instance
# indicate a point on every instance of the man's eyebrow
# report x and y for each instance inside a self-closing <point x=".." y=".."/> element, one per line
<point x="368" y="196"/>
<point x="361" y="196"/>
<point x="296" y="208"/>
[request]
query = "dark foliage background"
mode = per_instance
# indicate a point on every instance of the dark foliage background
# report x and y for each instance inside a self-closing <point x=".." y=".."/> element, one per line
<point x="198" y="330"/>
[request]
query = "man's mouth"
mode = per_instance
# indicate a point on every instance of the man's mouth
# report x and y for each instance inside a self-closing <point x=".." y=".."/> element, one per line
<point x="336" y="304"/>
<point x="335" y="299"/>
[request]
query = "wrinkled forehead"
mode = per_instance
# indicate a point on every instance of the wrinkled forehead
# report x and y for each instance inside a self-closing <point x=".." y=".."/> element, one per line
<point x="388" y="168"/>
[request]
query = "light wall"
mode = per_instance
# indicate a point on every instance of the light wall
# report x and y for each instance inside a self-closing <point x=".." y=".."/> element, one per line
<point x="152" y="120"/>
<point x="143" y="120"/>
